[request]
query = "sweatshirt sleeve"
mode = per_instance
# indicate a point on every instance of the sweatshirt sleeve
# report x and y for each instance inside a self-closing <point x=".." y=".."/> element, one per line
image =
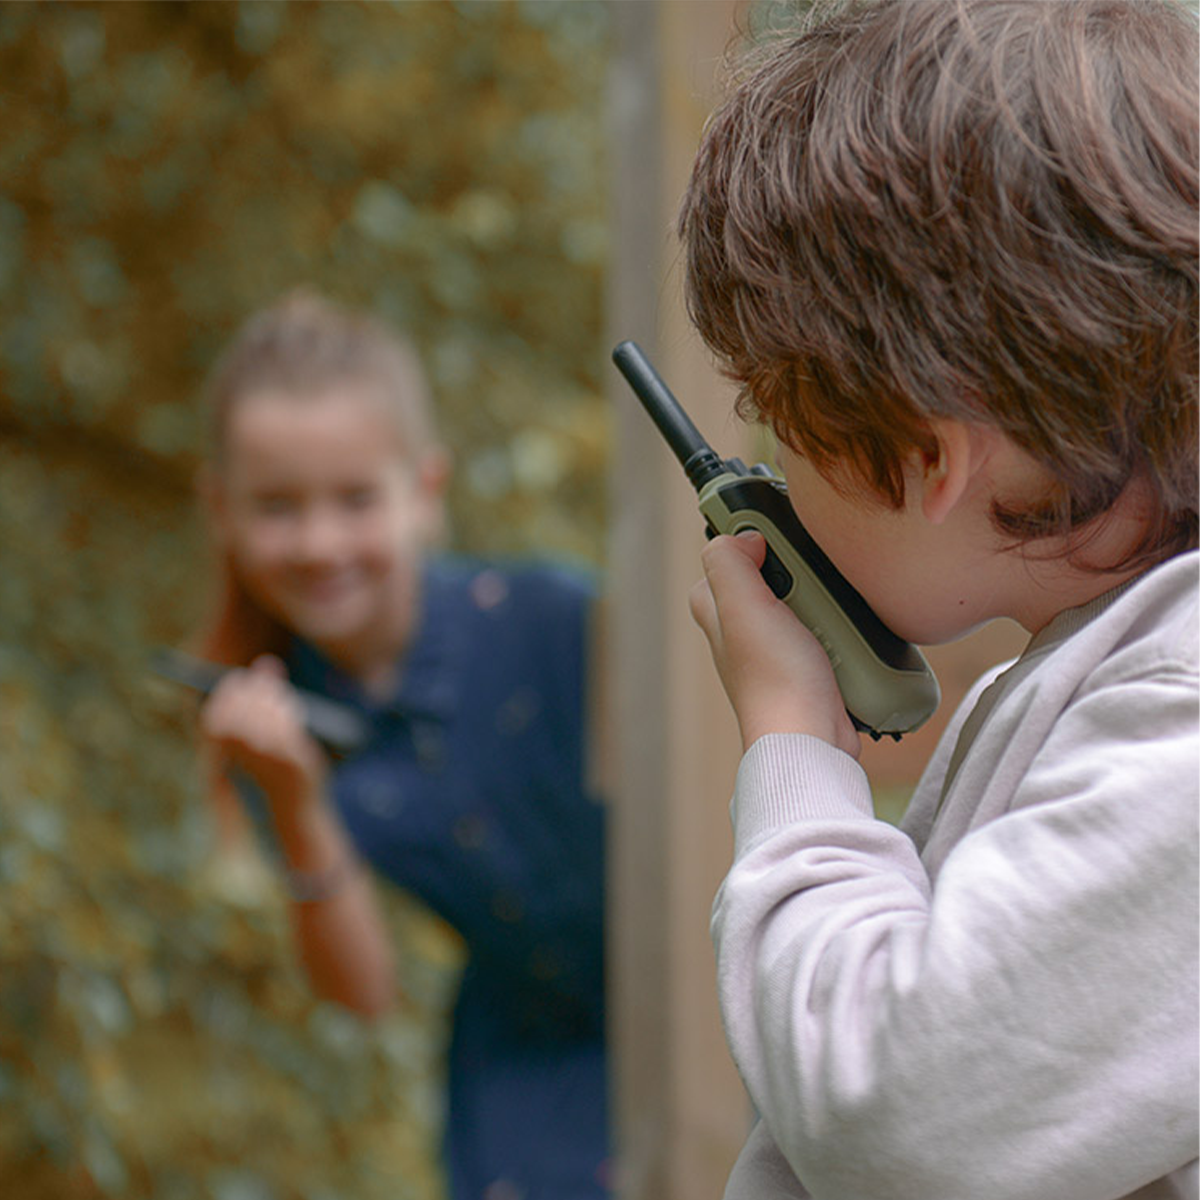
<point x="1024" y="1029"/>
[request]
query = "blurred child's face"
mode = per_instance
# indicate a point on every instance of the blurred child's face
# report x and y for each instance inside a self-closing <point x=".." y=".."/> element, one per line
<point x="325" y="516"/>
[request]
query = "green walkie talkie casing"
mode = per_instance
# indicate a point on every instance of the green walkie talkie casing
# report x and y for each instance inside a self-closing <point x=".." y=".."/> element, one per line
<point x="886" y="683"/>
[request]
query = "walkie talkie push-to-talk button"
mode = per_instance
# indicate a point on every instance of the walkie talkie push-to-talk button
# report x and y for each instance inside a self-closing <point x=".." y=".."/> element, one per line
<point x="779" y="578"/>
<point x="887" y="685"/>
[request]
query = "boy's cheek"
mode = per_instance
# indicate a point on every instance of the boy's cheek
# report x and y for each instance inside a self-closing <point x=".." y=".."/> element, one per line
<point x="927" y="621"/>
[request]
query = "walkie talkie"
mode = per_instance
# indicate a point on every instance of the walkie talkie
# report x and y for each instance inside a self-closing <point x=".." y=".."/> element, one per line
<point x="887" y="685"/>
<point x="340" y="729"/>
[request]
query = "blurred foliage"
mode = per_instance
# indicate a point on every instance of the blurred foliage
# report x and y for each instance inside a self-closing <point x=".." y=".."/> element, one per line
<point x="167" y="169"/>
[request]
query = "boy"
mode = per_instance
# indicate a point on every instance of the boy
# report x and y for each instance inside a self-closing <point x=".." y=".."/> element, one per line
<point x="948" y="251"/>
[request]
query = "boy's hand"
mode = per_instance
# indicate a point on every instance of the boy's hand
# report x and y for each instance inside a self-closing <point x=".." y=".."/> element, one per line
<point x="776" y="674"/>
<point x="255" y="720"/>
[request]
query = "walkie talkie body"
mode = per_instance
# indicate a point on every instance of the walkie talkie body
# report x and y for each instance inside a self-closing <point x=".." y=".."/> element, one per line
<point x="340" y="729"/>
<point x="887" y="685"/>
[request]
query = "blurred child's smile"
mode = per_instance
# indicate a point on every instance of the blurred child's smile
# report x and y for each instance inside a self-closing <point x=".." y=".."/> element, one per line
<point x="330" y="595"/>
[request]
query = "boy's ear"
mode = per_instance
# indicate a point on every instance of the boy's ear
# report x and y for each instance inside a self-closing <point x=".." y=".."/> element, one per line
<point x="947" y="471"/>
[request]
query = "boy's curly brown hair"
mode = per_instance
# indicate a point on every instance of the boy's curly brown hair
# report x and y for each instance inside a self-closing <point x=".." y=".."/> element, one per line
<point x="976" y="209"/>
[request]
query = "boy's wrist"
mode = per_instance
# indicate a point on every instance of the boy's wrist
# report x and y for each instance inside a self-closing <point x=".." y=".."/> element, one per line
<point x="839" y="733"/>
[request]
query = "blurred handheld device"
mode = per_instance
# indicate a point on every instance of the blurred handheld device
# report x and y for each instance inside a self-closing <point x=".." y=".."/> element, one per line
<point x="887" y="685"/>
<point x="340" y="729"/>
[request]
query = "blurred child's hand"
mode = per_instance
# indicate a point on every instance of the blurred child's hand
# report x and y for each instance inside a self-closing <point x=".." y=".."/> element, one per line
<point x="776" y="674"/>
<point x="254" y="720"/>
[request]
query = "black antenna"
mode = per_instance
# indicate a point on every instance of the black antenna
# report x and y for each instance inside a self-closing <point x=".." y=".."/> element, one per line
<point x="700" y="461"/>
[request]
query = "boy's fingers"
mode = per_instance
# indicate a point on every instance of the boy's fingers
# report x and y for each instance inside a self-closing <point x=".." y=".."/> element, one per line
<point x="752" y="544"/>
<point x="731" y="567"/>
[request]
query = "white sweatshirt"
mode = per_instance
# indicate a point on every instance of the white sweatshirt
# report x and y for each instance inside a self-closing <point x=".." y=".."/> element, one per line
<point x="998" y="1000"/>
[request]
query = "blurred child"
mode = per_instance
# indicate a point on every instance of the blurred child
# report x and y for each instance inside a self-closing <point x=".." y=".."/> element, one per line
<point x="325" y="493"/>
<point x="948" y="250"/>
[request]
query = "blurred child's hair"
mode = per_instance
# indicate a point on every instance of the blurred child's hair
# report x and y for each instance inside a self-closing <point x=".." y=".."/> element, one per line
<point x="300" y="348"/>
<point x="306" y="344"/>
<point x="977" y="209"/>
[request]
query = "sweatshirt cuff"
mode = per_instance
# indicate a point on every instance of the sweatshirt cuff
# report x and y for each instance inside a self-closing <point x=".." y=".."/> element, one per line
<point x="789" y="777"/>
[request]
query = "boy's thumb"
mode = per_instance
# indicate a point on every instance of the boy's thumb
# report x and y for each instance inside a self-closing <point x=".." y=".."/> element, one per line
<point x="731" y="566"/>
<point x="753" y="544"/>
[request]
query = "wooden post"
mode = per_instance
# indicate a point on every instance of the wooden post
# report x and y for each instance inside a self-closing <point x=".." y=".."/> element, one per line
<point x="681" y="1114"/>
